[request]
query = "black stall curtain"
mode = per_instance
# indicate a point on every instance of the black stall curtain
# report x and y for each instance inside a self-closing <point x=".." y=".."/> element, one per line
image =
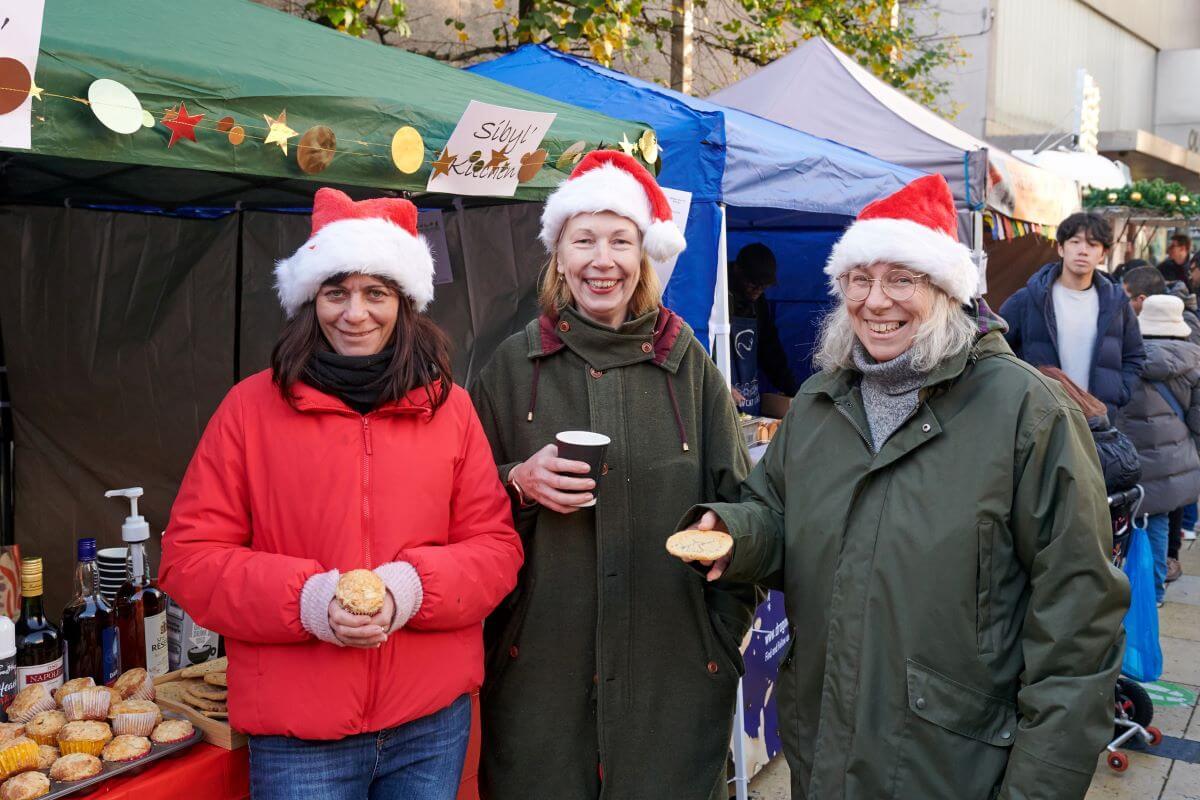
<point x="122" y="332"/>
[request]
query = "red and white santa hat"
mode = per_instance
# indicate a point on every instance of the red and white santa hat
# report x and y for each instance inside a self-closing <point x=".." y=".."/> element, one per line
<point x="374" y="237"/>
<point x="916" y="227"/>
<point x="606" y="180"/>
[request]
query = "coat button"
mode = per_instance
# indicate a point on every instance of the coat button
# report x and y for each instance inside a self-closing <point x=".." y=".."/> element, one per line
<point x="513" y="651"/>
<point x="595" y="372"/>
<point x="647" y="347"/>
<point x="604" y="469"/>
<point x="926" y="427"/>
<point x="564" y="326"/>
<point x="1006" y="735"/>
<point x="712" y="667"/>
<point x="920" y="704"/>
<point x="595" y="679"/>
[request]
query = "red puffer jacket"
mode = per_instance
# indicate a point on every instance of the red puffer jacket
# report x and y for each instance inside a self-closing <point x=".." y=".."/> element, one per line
<point x="276" y="494"/>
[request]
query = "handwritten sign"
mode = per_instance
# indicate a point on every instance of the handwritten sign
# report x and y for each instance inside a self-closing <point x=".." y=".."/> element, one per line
<point x="20" y="38"/>
<point x="483" y="154"/>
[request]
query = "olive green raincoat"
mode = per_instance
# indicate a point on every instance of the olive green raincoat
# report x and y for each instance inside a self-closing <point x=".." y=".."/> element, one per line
<point x="956" y="618"/>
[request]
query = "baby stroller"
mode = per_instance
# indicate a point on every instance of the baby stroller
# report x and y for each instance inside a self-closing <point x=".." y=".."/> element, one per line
<point x="1134" y="711"/>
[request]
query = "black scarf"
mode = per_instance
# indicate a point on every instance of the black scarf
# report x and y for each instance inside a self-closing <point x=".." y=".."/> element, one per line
<point x="355" y="380"/>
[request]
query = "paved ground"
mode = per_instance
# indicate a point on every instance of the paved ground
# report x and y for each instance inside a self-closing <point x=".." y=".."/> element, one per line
<point x="1174" y="775"/>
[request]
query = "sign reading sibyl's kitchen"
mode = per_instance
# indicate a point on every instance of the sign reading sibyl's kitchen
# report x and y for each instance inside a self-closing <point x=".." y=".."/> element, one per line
<point x="483" y="155"/>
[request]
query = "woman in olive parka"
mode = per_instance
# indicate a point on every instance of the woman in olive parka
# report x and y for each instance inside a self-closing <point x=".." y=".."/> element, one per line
<point x="612" y="669"/>
<point x="933" y="509"/>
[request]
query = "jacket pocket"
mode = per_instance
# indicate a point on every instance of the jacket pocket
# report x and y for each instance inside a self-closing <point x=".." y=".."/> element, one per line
<point x="984" y="627"/>
<point x="728" y="646"/>
<point x="717" y="643"/>
<point x="960" y="709"/>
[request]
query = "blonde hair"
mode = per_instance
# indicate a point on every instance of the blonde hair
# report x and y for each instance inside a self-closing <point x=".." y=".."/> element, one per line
<point x="945" y="331"/>
<point x="555" y="295"/>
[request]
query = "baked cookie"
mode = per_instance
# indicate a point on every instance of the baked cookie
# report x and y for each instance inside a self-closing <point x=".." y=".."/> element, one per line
<point x="75" y="767"/>
<point x="203" y="703"/>
<point x="200" y="670"/>
<point x="700" y="545"/>
<point x="216" y="679"/>
<point x="209" y="692"/>
<point x="361" y="591"/>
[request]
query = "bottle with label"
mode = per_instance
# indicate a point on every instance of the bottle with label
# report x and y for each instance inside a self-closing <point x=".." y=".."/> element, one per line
<point x="141" y="607"/>
<point x="8" y="664"/>
<point x="39" y="643"/>
<point x="89" y="627"/>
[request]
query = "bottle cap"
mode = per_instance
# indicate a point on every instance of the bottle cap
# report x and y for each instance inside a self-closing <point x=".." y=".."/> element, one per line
<point x="86" y="549"/>
<point x="31" y="577"/>
<point x="8" y="638"/>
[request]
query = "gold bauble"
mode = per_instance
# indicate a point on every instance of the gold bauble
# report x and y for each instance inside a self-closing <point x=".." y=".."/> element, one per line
<point x="1086" y="192"/>
<point x="1135" y="197"/>
<point x="1171" y="197"/>
<point x="408" y="150"/>
<point x="1184" y="199"/>
<point x="1112" y="197"/>
<point x="648" y="144"/>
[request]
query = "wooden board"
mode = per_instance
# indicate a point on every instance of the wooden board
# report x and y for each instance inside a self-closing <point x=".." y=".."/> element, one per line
<point x="216" y="731"/>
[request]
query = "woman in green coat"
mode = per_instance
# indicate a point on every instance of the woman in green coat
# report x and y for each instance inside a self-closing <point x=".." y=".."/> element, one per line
<point x="934" y="512"/>
<point x="612" y="669"/>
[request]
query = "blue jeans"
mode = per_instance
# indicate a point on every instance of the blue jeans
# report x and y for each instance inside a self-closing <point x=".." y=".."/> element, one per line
<point x="1190" y="516"/>
<point x="420" y="760"/>
<point x="1158" y="526"/>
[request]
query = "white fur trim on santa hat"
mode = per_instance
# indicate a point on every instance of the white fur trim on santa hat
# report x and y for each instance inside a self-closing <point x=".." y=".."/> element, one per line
<point x="946" y="261"/>
<point x="605" y="188"/>
<point x="368" y="246"/>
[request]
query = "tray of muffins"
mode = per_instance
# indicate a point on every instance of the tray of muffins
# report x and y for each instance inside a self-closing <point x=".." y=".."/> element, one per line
<point x="58" y="743"/>
<point x="200" y="693"/>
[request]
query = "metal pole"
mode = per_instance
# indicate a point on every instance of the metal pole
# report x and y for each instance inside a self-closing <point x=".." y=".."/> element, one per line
<point x="741" y="781"/>
<point x="718" y="320"/>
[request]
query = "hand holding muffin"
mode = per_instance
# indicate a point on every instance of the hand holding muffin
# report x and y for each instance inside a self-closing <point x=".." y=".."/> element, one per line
<point x="362" y="609"/>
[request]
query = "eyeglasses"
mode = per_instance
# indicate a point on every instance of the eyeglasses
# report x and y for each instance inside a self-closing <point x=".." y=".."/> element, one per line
<point x="897" y="284"/>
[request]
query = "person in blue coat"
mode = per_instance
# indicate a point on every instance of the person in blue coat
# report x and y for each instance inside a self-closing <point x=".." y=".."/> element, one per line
<point x="1072" y="316"/>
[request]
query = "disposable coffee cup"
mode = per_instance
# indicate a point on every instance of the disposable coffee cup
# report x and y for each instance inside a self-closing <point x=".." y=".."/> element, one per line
<point x="587" y="447"/>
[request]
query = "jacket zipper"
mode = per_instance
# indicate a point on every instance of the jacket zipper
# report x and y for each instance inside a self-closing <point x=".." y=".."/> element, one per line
<point x="854" y="423"/>
<point x="366" y="487"/>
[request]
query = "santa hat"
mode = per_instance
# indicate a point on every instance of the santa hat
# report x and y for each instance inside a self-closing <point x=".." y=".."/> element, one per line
<point x="374" y="237"/>
<point x="916" y="227"/>
<point x="606" y="180"/>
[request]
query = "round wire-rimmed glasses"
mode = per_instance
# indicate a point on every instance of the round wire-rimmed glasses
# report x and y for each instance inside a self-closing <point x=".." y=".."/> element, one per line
<point x="898" y="284"/>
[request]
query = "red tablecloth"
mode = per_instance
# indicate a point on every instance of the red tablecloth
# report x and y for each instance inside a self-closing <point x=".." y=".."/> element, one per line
<point x="213" y="773"/>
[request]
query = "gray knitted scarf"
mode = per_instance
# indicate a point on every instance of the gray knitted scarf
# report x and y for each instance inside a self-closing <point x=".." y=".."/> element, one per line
<point x="890" y="392"/>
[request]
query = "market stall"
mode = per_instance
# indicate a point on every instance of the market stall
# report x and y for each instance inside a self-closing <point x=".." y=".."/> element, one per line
<point x="159" y="158"/>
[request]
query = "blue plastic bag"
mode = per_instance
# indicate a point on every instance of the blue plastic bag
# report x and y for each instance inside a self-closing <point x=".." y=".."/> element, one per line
<point x="1143" y="655"/>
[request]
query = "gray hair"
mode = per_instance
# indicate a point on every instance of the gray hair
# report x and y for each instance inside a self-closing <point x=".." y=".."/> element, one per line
<point x="946" y="331"/>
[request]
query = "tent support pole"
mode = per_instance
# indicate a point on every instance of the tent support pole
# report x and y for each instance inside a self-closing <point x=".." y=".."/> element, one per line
<point x="977" y="248"/>
<point x="718" y="322"/>
<point x="740" y="779"/>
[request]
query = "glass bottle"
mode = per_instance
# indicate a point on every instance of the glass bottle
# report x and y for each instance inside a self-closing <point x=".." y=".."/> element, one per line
<point x="39" y="643"/>
<point x="141" y="609"/>
<point x="89" y="627"/>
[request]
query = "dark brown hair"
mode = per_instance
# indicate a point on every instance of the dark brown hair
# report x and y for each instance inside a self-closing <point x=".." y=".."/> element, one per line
<point x="421" y="357"/>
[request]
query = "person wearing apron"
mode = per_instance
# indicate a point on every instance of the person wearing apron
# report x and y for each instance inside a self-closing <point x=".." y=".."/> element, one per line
<point x="756" y="344"/>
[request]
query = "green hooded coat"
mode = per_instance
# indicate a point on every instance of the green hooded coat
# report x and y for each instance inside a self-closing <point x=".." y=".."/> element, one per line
<point x="956" y="618"/>
<point x="611" y="657"/>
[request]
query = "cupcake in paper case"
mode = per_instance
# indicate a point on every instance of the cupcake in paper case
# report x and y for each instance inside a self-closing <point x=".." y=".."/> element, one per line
<point x="84" y="736"/>
<point x="71" y="687"/>
<point x="135" y="717"/>
<point x="26" y="786"/>
<point x="47" y="755"/>
<point x="88" y="704"/>
<point x="75" y="767"/>
<point x="173" y="730"/>
<point x="11" y="730"/>
<point x="18" y="755"/>
<point x="126" y="748"/>
<point x="44" y="728"/>
<point x="29" y="702"/>
<point x="135" y="684"/>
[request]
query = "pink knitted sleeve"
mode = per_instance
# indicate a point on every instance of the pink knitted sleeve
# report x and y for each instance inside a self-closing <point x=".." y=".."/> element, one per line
<point x="315" y="597"/>
<point x="402" y="581"/>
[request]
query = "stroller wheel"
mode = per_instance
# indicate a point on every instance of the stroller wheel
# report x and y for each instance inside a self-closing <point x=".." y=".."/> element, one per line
<point x="1156" y="736"/>
<point x="1134" y="702"/>
<point x="1118" y="762"/>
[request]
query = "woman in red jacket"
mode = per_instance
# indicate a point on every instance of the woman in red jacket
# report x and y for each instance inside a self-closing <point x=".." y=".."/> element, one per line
<point x="354" y="451"/>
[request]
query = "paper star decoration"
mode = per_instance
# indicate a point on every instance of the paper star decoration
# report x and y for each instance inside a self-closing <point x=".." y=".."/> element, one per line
<point x="183" y="125"/>
<point x="628" y="147"/>
<point x="443" y="164"/>
<point x="35" y="91"/>
<point x="279" y="132"/>
<point x="499" y="159"/>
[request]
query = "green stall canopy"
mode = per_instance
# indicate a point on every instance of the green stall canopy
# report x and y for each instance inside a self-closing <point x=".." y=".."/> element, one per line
<point x="238" y="63"/>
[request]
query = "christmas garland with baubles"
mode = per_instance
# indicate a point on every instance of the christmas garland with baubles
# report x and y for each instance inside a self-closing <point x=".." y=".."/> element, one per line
<point x="1157" y="196"/>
